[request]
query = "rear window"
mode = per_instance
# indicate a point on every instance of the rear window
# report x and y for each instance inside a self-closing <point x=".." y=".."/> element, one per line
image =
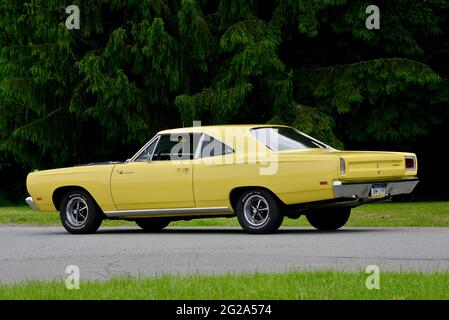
<point x="284" y="138"/>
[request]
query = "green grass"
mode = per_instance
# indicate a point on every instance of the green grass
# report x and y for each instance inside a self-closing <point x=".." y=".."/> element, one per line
<point x="278" y="286"/>
<point x="22" y="215"/>
<point x="407" y="214"/>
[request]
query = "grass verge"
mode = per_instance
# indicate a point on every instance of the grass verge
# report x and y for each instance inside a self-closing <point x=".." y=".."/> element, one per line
<point x="277" y="286"/>
<point x="393" y="214"/>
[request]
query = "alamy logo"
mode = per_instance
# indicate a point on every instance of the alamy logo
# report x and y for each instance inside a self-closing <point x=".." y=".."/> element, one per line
<point x="373" y="20"/>
<point x="73" y="279"/>
<point x="373" y="280"/>
<point x="73" y="20"/>
<point x="246" y="150"/>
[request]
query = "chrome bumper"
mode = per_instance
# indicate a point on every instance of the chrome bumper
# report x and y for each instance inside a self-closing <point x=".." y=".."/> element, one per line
<point x="29" y="201"/>
<point x="362" y="190"/>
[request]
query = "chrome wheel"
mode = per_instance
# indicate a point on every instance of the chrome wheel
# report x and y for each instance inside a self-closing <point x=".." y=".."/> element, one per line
<point x="256" y="210"/>
<point x="77" y="211"/>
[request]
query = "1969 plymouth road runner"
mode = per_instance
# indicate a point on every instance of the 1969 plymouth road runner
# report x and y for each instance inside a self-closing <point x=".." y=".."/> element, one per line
<point x="258" y="173"/>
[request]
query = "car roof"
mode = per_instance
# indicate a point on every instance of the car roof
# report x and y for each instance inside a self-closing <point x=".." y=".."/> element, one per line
<point x="217" y="127"/>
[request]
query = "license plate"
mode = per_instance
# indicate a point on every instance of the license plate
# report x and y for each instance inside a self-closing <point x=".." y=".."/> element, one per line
<point x="378" y="190"/>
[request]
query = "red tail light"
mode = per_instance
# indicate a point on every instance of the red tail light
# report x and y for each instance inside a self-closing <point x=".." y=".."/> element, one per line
<point x="410" y="163"/>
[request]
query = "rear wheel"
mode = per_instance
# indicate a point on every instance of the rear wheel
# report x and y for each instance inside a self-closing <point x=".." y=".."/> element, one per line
<point x="329" y="219"/>
<point x="152" y="224"/>
<point x="258" y="212"/>
<point x="78" y="213"/>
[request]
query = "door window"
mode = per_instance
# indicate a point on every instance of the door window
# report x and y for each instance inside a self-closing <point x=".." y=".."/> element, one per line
<point x="176" y="146"/>
<point x="148" y="152"/>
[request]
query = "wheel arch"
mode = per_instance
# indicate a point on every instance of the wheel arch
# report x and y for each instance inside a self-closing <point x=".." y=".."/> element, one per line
<point x="238" y="191"/>
<point x="60" y="192"/>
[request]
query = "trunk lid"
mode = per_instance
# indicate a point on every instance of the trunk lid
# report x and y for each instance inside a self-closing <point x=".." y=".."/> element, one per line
<point x="372" y="165"/>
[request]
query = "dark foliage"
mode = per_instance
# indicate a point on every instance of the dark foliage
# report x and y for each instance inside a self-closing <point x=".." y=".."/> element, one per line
<point x="138" y="66"/>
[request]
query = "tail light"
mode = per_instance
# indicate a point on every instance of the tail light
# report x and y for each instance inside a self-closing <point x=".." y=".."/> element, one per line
<point x="342" y="166"/>
<point x="410" y="163"/>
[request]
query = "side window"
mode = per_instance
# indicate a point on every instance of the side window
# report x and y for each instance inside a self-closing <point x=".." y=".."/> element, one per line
<point x="212" y="147"/>
<point x="180" y="146"/>
<point x="147" y="153"/>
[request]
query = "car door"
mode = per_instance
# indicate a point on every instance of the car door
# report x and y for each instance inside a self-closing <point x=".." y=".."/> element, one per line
<point x="215" y="173"/>
<point x="159" y="178"/>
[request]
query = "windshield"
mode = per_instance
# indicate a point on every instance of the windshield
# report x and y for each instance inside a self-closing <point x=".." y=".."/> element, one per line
<point x="284" y="138"/>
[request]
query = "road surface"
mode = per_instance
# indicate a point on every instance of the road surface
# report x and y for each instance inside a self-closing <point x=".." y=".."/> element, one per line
<point x="45" y="252"/>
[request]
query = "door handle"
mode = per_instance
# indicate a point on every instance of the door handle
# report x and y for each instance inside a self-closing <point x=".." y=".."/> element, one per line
<point x="124" y="172"/>
<point x="185" y="170"/>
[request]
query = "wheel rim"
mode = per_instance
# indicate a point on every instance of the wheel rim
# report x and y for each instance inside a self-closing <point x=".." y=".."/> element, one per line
<point x="77" y="211"/>
<point x="256" y="210"/>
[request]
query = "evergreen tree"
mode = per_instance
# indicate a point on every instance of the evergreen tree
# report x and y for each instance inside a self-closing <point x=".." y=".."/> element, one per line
<point x="135" y="67"/>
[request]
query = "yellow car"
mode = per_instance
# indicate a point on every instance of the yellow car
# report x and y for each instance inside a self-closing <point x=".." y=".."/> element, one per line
<point x="259" y="173"/>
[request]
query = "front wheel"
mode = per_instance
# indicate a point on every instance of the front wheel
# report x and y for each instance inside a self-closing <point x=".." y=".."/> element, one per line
<point x="152" y="224"/>
<point x="329" y="219"/>
<point x="258" y="212"/>
<point x="78" y="213"/>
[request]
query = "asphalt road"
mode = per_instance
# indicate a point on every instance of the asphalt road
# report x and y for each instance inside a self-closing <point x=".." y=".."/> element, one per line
<point x="45" y="252"/>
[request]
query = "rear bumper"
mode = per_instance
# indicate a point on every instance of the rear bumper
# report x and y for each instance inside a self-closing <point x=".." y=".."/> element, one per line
<point x="29" y="201"/>
<point x="362" y="190"/>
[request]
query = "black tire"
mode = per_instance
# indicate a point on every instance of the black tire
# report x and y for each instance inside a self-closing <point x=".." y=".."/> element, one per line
<point x="152" y="224"/>
<point x="258" y="212"/>
<point x="79" y="214"/>
<point x="329" y="219"/>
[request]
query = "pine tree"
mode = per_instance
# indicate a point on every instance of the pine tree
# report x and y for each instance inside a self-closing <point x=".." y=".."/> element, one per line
<point x="135" y="67"/>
